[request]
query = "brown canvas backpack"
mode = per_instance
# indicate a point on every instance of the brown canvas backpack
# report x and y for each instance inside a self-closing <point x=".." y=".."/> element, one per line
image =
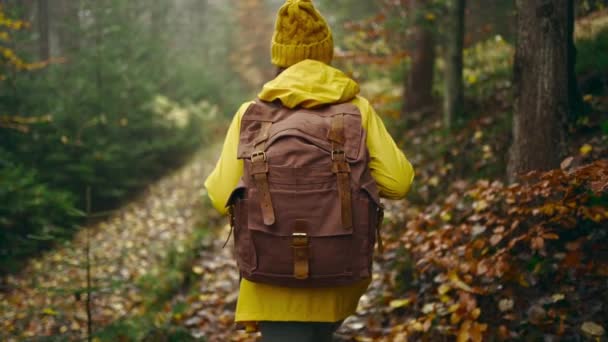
<point x="306" y="211"/>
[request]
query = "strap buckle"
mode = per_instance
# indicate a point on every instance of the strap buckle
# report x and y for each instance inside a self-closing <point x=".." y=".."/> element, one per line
<point x="255" y="157"/>
<point x="335" y="154"/>
<point x="300" y="246"/>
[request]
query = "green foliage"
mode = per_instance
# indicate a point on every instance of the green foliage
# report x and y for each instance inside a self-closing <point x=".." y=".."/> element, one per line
<point x="32" y="215"/>
<point x="487" y="67"/>
<point x="592" y="54"/>
<point x="94" y="118"/>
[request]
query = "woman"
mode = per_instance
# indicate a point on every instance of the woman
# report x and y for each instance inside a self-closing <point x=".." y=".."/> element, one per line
<point x="302" y="49"/>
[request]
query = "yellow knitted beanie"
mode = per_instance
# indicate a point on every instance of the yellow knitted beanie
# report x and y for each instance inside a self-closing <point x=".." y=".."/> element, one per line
<point x="301" y="33"/>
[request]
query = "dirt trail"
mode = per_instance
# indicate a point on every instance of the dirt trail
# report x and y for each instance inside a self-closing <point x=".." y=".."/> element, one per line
<point x="48" y="297"/>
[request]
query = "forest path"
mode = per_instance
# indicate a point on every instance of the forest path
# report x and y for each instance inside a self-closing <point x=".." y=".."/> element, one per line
<point x="128" y="250"/>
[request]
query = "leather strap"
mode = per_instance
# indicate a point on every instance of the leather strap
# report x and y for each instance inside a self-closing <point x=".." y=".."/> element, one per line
<point x="336" y="133"/>
<point x="378" y="226"/>
<point x="301" y="253"/>
<point x="259" y="172"/>
<point x="341" y="168"/>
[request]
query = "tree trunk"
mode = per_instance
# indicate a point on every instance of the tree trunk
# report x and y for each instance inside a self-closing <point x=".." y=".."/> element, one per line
<point x="541" y="83"/>
<point x="454" y="93"/>
<point x="43" y="30"/>
<point x="419" y="81"/>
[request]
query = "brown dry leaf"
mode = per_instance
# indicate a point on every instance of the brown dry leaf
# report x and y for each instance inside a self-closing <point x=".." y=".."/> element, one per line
<point x="495" y="239"/>
<point x="477" y="331"/>
<point x="537" y="243"/>
<point x="565" y="164"/>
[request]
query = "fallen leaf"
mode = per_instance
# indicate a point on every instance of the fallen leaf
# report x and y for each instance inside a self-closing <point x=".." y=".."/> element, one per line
<point x="505" y="305"/>
<point x="593" y="329"/>
<point x="586" y="149"/>
<point x="197" y="270"/>
<point x="399" y="303"/>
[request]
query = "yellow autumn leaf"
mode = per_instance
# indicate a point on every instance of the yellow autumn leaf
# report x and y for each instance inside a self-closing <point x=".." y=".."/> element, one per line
<point x="453" y="276"/>
<point x="49" y="311"/>
<point x="471" y="79"/>
<point x="463" y="334"/>
<point x="446" y="216"/>
<point x="476" y="313"/>
<point x="399" y="303"/>
<point x="417" y="326"/>
<point x="588" y="98"/>
<point x="480" y="205"/>
<point x="478" y="135"/>
<point x="443" y="289"/>
<point x="363" y="339"/>
<point x="522" y="281"/>
<point x="197" y="270"/>
<point x="586" y="149"/>
<point x="430" y="16"/>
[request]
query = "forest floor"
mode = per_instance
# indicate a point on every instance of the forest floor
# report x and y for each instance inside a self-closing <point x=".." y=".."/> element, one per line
<point x="133" y="257"/>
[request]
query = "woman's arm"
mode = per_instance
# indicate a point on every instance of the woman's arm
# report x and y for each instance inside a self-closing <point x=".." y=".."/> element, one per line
<point x="228" y="170"/>
<point x="390" y="168"/>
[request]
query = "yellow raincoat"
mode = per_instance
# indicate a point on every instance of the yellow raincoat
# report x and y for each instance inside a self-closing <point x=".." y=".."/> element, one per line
<point x="309" y="84"/>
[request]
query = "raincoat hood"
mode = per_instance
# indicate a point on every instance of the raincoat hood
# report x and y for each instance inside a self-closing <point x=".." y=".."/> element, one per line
<point x="310" y="84"/>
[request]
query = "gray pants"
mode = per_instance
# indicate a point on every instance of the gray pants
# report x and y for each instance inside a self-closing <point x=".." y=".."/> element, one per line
<point x="298" y="331"/>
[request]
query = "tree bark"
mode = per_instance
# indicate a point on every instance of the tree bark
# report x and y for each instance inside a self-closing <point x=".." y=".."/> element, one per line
<point x="541" y="83"/>
<point x="454" y="93"/>
<point x="43" y="30"/>
<point x="419" y="81"/>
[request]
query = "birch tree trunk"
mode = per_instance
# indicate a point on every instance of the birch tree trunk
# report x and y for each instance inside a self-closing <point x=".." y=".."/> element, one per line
<point x="541" y="83"/>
